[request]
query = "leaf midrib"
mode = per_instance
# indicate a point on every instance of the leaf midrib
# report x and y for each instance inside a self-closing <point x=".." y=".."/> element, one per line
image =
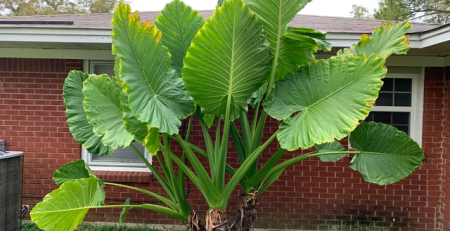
<point x="334" y="92"/>
<point x="230" y="84"/>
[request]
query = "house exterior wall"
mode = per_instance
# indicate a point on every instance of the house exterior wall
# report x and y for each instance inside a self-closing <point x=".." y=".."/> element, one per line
<point x="446" y="151"/>
<point x="309" y="195"/>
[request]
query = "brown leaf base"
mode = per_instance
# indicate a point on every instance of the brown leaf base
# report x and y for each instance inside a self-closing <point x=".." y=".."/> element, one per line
<point x="246" y="213"/>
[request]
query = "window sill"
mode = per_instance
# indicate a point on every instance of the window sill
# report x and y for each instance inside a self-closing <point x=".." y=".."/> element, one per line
<point x="124" y="177"/>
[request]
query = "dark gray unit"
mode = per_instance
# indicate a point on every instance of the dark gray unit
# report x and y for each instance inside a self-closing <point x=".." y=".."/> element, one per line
<point x="10" y="190"/>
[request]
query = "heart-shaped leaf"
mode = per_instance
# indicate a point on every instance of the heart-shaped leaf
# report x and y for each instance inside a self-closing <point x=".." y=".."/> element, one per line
<point x="227" y="61"/>
<point x="79" y="126"/>
<point x="385" y="40"/>
<point x="275" y="16"/>
<point x="156" y="95"/>
<point x="387" y="154"/>
<point x="334" y="146"/>
<point x="66" y="207"/>
<point x="71" y="172"/>
<point x="104" y="110"/>
<point x="178" y="24"/>
<point x="331" y="96"/>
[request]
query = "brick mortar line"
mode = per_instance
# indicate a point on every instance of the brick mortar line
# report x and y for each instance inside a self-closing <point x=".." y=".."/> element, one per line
<point x="443" y="152"/>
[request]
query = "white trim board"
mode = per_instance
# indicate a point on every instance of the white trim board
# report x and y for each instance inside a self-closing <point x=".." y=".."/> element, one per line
<point x="55" y="35"/>
<point x="61" y="35"/>
<point x="404" y="60"/>
<point x="56" y="54"/>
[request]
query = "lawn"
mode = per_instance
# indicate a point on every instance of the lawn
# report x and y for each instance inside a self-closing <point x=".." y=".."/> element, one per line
<point x="32" y="227"/>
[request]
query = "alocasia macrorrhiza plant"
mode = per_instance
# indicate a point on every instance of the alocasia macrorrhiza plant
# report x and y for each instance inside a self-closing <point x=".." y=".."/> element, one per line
<point x="181" y="67"/>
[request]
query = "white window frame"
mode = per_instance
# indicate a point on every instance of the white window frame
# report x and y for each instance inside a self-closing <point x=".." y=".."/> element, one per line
<point x="416" y="109"/>
<point x="88" y="67"/>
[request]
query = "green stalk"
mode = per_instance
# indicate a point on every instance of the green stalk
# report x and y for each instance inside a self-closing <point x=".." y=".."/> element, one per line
<point x="275" y="172"/>
<point x="219" y="180"/>
<point x="155" y="172"/>
<point x="203" y="153"/>
<point x="209" y="148"/>
<point x="204" y="190"/>
<point x="238" y="143"/>
<point x="161" y="162"/>
<point x="203" y="176"/>
<point x="181" y="198"/>
<point x="255" y="119"/>
<point x="246" y="132"/>
<point x="217" y="142"/>
<point x="166" y="201"/>
<point x="168" y="159"/>
<point x="181" y="174"/>
<point x="156" y="208"/>
<point x="257" y="138"/>
<point x="242" y="170"/>
<point x="297" y="159"/>
<point x="261" y="175"/>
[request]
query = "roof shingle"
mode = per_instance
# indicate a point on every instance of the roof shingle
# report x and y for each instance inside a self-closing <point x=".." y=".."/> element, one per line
<point x="322" y="23"/>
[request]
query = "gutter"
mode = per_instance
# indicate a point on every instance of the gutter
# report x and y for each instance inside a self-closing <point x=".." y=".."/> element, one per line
<point x="103" y="36"/>
<point x="58" y="35"/>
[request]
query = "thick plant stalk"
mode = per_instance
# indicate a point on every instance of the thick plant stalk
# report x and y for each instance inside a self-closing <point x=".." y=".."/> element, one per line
<point x="194" y="224"/>
<point x="216" y="220"/>
<point x="246" y="213"/>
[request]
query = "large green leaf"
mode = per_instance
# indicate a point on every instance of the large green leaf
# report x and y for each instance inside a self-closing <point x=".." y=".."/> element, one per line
<point x="104" y="110"/>
<point x="151" y="141"/>
<point x="275" y="16"/>
<point x="132" y="124"/>
<point x="156" y="95"/>
<point x="257" y="96"/>
<point x="77" y="170"/>
<point x="385" y="40"/>
<point x="291" y="50"/>
<point x="228" y="60"/>
<point x="318" y="36"/>
<point x="298" y="47"/>
<point x="178" y="24"/>
<point x="334" y="146"/>
<point x="71" y="172"/>
<point x="295" y="51"/>
<point x="79" y="126"/>
<point x="66" y="207"/>
<point x="331" y="96"/>
<point x="387" y="154"/>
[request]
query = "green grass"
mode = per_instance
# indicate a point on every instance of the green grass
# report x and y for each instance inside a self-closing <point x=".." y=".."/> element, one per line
<point x="33" y="227"/>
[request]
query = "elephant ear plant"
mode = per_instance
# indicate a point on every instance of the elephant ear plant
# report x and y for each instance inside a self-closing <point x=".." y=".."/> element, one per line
<point x="181" y="67"/>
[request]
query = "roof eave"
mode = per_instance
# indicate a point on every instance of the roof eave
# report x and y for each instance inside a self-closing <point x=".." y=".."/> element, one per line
<point x="69" y="35"/>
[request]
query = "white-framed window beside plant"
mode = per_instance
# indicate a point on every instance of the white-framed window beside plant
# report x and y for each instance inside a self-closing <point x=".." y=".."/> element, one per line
<point x="121" y="159"/>
<point x="400" y="104"/>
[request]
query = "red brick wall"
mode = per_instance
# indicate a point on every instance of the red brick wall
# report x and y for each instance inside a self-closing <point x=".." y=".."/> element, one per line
<point x="309" y="195"/>
<point x="446" y="156"/>
<point x="32" y="119"/>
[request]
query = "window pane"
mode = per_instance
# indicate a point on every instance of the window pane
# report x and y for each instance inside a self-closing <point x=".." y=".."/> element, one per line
<point x="382" y="117"/>
<point x="388" y="85"/>
<point x="402" y="99"/>
<point x="400" y="120"/>
<point x="404" y="129"/>
<point x="384" y="99"/>
<point x="99" y="68"/>
<point x="121" y="155"/>
<point x="403" y="85"/>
